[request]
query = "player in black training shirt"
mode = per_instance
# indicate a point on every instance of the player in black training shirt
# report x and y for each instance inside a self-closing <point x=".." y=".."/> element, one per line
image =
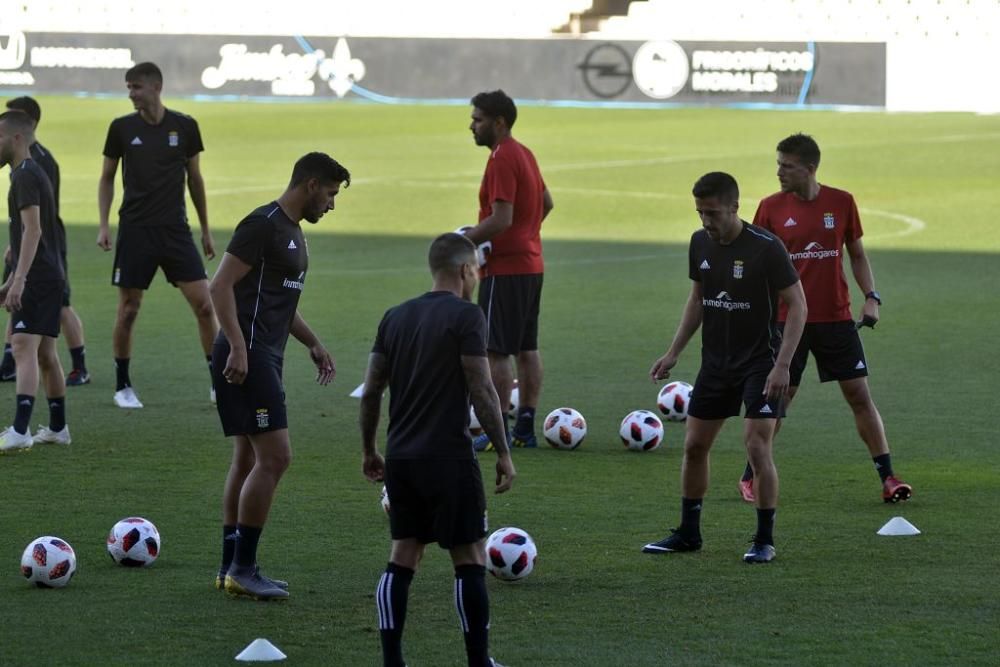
<point x="431" y="353"/>
<point x="256" y="294"/>
<point x="159" y="148"/>
<point x="738" y="271"/>
<point x="33" y="291"/>
<point x="70" y="324"/>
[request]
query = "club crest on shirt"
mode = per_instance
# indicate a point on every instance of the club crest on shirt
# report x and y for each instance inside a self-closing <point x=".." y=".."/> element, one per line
<point x="738" y="269"/>
<point x="828" y="220"/>
<point x="263" y="418"/>
<point x="173" y="139"/>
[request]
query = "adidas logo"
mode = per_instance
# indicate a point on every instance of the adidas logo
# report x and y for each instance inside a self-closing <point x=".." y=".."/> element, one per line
<point x="790" y="222"/>
<point x="860" y="366"/>
<point x="292" y="246"/>
<point x="704" y="264"/>
<point x="766" y="410"/>
<point x="20" y="325"/>
<point x="136" y="141"/>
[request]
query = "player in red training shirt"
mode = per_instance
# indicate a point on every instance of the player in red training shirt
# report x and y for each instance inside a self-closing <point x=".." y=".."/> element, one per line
<point x="816" y="223"/>
<point x="513" y="201"/>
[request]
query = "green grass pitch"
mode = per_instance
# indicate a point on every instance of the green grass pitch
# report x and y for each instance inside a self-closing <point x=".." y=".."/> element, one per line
<point x="616" y="280"/>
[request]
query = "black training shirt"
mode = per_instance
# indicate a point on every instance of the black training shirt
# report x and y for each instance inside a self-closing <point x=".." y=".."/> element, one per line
<point x="267" y="296"/>
<point x="154" y="166"/>
<point x="29" y="186"/>
<point x="47" y="162"/>
<point x="423" y="340"/>
<point x="740" y="284"/>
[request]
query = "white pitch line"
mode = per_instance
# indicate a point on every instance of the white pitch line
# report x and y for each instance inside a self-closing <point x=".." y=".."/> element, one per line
<point x="913" y="225"/>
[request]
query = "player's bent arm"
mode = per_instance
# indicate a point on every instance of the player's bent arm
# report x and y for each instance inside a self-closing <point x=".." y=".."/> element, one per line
<point x="31" y="233"/>
<point x="795" y="322"/>
<point x="321" y="357"/>
<point x="691" y="319"/>
<point x="863" y="276"/>
<point x="547" y="203"/>
<point x="231" y="270"/>
<point x="497" y="222"/>
<point x="484" y="399"/>
<point x="105" y="195"/>
<point x="196" y="185"/>
<point x="376" y="379"/>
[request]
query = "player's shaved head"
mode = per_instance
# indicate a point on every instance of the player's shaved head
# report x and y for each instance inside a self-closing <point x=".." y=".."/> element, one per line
<point x="717" y="184"/>
<point x="801" y="146"/>
<point x="449" y="252"/>
<point x="320" y="166"/>
<point x="18" y="122"/>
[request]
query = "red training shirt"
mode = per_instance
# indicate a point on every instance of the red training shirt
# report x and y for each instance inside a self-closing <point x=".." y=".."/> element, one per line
<point x="815" y="233"/>
<point x="512" y="175"/>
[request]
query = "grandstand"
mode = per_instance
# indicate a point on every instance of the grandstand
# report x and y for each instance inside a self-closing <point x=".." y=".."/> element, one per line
<point x="734" y="20"/>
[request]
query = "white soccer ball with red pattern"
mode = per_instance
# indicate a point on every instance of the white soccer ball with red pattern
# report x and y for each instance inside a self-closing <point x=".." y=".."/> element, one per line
<point x="641" y="431"/>
<point x="483" y="250"/>
<point x="510" y="554"/>
<point x="565" y="428"/>
<point x="673" y="401"/>
<point x="134" y="542"/>
<point x="48" y="562"/>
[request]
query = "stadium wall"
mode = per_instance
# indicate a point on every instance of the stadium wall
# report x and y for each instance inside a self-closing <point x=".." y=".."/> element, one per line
<point x="556" y="71"/>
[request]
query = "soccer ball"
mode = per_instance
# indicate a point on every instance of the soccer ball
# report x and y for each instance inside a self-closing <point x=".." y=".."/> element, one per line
<point x="673" y="401"/>
<point x="48" y="562"/>
<point x="384" y="499"/>
<point x="483" y="250"/>
<point x="565" y="428"/>
<point x="134" y="542"/>
<point x="510" y="554"/>
<point x="641" y="431"/>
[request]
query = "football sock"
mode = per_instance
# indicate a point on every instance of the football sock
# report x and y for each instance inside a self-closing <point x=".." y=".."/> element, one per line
<point x="472" y="602"/>
<point x="765" y="527"/>
<point x="121" y="374"/>
<point x="228" y="547"/>
<point x="57" y="414"/>
<point x="78" y="354"/>
<point x="883" y="464"/>
<point x="211" y="372"/>
<point x="8" y="355"/>
<point x="390" y="601"/>
<point x="690" y="517"/>
<point x="525" y="424"/>
<point x="247" y="537"/>
<point x="747" y="473"/>
<point x="22" y="417"/>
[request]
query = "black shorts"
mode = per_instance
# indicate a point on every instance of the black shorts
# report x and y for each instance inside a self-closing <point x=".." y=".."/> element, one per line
<point x="436" y="501"/>
<point x="717" y="394"/>
<point x="257" y="405"/>
<point x="837" y="349"/>
<point x="511" y="305"/>
<point x="41" y="304"/>
<point x="140" y="250"/>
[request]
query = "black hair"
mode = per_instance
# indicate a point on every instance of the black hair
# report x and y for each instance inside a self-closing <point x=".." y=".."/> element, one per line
<point x="19" y="122"/>
<point x="144" y="71"/>
<point x="717" y="184"/>
<point x="496" y="104"/>
<point x="319" y="166"/>
<point x="801" y="146"/>
<point x="28" y="105"/>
